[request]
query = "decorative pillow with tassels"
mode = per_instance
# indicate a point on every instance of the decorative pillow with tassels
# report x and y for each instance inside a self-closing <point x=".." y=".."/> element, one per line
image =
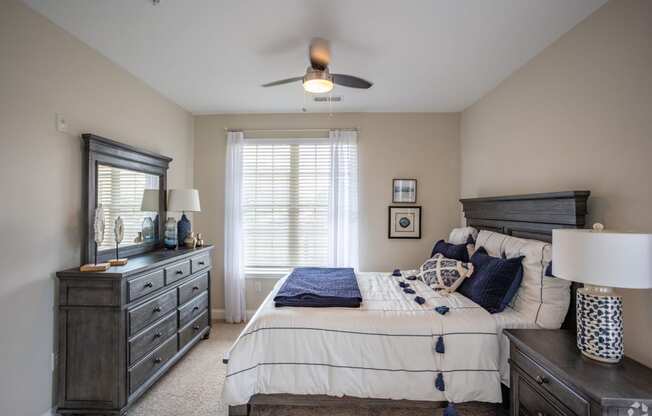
<point x="444" y="274"/>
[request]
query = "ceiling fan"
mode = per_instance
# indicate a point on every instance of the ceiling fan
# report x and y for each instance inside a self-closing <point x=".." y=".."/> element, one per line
<point x="318" y="79"/>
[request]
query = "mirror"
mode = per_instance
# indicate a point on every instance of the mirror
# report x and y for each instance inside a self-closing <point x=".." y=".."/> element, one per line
<point x="133" y="196"/>
<point x="127" y="182"/>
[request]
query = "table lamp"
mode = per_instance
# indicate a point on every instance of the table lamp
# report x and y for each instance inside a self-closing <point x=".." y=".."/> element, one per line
<point x="183" y="200"/>
<point x="602" y="260"/>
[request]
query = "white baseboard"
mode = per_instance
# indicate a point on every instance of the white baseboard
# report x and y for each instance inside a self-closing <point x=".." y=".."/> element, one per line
<point x="218" y="314"/>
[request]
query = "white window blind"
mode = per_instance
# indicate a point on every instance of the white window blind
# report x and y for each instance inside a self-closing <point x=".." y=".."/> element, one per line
<point x="286" y="185"/>
<point x="120" y="191"/>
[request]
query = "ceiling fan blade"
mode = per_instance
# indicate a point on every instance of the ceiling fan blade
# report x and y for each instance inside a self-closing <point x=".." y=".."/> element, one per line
<point x="350" y="81"/>
<point x="282" y="81"/>
<point x="320" y="53"/>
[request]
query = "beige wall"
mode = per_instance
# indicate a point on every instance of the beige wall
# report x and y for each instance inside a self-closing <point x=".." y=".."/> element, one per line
<point x="423" y="146"/>
<point x="44" y="71"/>
<point x="578" y="116"/>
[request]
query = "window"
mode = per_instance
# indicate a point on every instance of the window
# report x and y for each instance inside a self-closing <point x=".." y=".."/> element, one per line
<point x="286" y="185"/>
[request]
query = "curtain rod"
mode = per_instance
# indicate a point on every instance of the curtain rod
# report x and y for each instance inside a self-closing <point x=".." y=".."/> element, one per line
<point x="288" y="130"/>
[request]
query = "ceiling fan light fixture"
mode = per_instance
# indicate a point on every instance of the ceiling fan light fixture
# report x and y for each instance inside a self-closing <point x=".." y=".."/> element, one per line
<point x="317" y="82"/>
<point x="318" y="86"/>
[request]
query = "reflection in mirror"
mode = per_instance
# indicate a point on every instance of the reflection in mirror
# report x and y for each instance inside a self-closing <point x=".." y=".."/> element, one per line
<point x="133" y="196"/>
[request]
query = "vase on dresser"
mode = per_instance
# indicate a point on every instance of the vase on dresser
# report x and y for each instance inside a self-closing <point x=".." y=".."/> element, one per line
<point x="170" y="240"/>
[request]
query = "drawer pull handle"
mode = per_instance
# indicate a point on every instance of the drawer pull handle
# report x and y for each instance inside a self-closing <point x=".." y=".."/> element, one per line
<point x="195" y="288"/>
<point x="196" y="327"/>
<point x="179" y="272"/>
<point x="201" y="263"/>
<point x="158" y="335"/>
<point x="157" y="309"/>
<point x="196" y="308"/>
<point x="541" y="380"/>
<point x="149" y="284"/>
<point x="158" y="360"/>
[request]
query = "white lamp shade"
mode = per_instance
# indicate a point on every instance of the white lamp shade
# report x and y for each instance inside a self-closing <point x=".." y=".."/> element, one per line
<point x="150" y="200"/>
<point x="183" y="200"/>
<point x="603" y="258"/>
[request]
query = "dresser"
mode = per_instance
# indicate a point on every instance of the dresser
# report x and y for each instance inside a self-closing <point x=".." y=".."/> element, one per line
<point x="550" y="377"/>
<point x="119" y="331"/>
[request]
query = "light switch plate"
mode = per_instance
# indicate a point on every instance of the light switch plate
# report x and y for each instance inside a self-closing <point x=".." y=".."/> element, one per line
<point x="61" y="123"/>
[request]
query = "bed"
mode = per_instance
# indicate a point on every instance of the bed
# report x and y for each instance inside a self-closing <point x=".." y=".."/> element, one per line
<point x="393" y="351"/>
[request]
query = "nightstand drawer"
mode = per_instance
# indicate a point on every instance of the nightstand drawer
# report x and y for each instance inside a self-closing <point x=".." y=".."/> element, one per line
<point x="531" y="403"/>
<point x="547" y="382"/>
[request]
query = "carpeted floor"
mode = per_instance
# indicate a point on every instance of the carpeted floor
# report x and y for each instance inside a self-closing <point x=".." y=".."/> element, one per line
<point x="194" y="388"/>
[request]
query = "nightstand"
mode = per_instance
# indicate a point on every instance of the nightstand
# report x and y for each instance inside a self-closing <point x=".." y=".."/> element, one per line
<point x="550" y="377"/>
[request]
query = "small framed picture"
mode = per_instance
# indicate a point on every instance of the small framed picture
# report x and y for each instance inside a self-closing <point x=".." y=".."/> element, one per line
<point x="404" y="191"/>
<point x="404" y="222"/>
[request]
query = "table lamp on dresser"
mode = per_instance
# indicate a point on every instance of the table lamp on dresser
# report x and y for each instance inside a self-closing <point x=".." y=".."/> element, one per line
<point x="602" y="260"/>
<point x="183" y="200"/>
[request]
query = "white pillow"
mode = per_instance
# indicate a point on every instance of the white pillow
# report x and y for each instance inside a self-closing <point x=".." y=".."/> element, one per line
<point x="461" y="235"/>
<point x="544" y="299"/>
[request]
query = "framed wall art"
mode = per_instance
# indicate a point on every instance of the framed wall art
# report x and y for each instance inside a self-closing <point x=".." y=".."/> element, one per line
<point x="404" y="222"/>
<point x="404" y="191"/>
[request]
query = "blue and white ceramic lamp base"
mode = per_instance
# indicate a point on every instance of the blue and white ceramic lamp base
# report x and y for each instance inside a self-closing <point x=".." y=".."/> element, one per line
<point x="600" y="324"/>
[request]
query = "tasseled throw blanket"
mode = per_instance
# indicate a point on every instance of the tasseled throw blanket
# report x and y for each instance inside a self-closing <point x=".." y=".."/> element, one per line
<point x="318" y="287"/>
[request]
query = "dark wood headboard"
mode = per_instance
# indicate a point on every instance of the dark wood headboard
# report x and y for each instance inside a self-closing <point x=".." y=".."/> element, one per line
<point x="532" y="216"/>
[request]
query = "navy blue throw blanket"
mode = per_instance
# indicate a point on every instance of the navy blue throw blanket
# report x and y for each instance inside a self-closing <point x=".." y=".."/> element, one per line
<point x="317" y="287"/>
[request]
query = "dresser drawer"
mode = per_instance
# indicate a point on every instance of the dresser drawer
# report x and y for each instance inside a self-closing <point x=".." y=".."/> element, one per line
<point x="532" y="403"/>
<point x="151" y="363"/>
<point x="151" y="311"/>
<point x="190" y="331"/>
<point x="192" y="288"/>
<point x="177" y="271"/>
<point x="152" y="338"/>
<point x="200" y="262"/>
<point x="192" y="309"/>
<point x="546" y="381"/>
<point x="146" y="284"/>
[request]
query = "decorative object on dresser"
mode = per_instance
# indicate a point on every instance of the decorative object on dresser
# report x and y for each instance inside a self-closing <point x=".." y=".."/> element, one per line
<point x="549" y="376"/>
<point x="200" y="240"/>
<point x="170" y="240"/>
<point x="121" y="330"/>
<point x="404" y="222"/>
<point x="118" y="234"/>
<point x="190" y="241"/>
<point x="602" y="260"/>
<point x="98" y="237"/>
<point x="150" y="203"/>
<point x="404" y="191"/>
<point x="183" y="200"/>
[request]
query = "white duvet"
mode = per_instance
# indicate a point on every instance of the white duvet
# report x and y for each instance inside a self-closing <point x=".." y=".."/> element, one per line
<point x="384" y="349"/>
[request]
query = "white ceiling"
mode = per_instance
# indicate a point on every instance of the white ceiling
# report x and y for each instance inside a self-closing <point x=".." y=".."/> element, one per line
<point x="211" y="56"/>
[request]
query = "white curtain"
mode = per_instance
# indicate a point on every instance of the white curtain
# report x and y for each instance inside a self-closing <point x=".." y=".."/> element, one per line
<point x="343" y="200"/>
<point x="234" y="276"/>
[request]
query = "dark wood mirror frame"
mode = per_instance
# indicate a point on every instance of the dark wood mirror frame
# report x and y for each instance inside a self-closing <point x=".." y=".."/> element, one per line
<point x="99" y="150"/>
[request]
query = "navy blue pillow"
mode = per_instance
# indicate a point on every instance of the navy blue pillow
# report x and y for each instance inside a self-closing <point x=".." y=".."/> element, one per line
<point x="494" y="282"/>
<point x="451" y="251"/>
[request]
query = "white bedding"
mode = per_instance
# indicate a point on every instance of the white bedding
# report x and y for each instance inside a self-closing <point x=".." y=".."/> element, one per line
<point x="385" y="349"/>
